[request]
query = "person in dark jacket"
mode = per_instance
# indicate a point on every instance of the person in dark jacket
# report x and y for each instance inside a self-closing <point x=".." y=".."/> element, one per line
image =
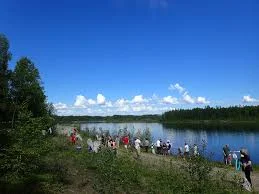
<point x="246" y="164"/>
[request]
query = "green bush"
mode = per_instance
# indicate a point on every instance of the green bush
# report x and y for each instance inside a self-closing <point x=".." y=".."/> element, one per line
<point x="23" y="158"/>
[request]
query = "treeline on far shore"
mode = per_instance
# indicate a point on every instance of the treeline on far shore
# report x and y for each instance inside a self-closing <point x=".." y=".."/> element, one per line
<point x="230" y="114"/>
<point x="236" y="117"/>
<point x="114" y="118"/>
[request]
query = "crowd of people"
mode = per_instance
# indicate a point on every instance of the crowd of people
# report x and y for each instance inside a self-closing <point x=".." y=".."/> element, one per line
<point x="144" y="145"/>
<point x="161" y="148"/>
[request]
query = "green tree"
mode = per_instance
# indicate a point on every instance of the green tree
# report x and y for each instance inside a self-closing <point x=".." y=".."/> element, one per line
<point x="26" y="88"/>
<point x="5" y="57"/>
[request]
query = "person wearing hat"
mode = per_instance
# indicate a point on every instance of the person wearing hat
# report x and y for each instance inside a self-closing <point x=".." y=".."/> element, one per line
<point x="246" y="164"/>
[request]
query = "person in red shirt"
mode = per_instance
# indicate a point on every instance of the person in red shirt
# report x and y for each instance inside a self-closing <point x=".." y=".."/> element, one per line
<point x="73" y="138"/>
<point x="125" y="141"/>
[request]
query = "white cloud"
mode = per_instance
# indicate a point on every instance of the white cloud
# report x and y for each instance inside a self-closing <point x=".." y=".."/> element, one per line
<point x="139" y="108"/>
<point x="154" y="97"/>
<point x="170" y="100"/>
<point x="202" y="100"/>
<point x="91" y="102"/>
<point x="188" y="99"/>
<point x="139" y="99"/>
<point x="177" y="87"/>
<point x="80" y="101"/>
<point x="109" y="104"/>
<point x="137" y="105"/>
<point x="249" y="99"/>
<point x="120" y="102"/>
<point x="125" y="108"/>
<point x="100" y="99"/>
<point x="59" y="106"/>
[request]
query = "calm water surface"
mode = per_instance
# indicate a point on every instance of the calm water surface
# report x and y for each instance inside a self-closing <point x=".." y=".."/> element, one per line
<point x="215" y="139"/>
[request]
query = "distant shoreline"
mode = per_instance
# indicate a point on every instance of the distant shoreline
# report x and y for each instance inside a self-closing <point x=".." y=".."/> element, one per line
<point x="193" y="124"/>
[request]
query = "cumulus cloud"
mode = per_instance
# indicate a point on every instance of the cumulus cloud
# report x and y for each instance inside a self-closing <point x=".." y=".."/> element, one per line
<point x="142" y="108"/>
<point x="101" y="99"/>
<point x="177" y="87"/>
<point x="202" y="100"/>
<point x="121" y="102"/>
<point x="109" y="104"/>
<point x="139" y="99"/>
<point x="123" y="108"/>
<point x="80" y="101"/>
<point x="137" y="105"/>
<point x="59" y="106"/>
<point x="170" y="100"/>
<point x="188" y="99"/>
<point x="249" y="99"/>
<point x="91" y="102"/>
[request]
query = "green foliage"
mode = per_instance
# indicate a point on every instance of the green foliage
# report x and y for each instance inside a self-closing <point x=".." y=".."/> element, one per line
<point x="236" y="113"/>
<point x="23" y="157"/>
<point x="26" y="87"/>
<point x="22" y="146"/>
<point x="105" y="172"/>
<point x="5" y="57"/>
<point x="114" y="118"/>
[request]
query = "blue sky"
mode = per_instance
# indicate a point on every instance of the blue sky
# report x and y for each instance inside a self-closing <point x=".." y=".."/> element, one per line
<point x="138" y="54"/>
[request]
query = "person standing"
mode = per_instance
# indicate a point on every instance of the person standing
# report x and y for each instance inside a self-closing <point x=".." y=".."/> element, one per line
<point x="186" y="149"/>
<point x="137" y="146"/>
<point x="117" y="140"/>
<point x="153" y="151"/>
<point x="146" y="144"/>
<point x="125" y="141"/>
<point x="180" y="151"/>
<point x="164" y="149"/>
<point x="195" y="150"/>
<point x="246" y="164"/>
<point x="168" y="145"/>
<point x="226" y="152"/>
<point x="158" y="146"/>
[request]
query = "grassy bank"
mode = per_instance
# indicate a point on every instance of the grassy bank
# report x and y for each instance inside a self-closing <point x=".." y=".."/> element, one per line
<point x="70" y="171"/>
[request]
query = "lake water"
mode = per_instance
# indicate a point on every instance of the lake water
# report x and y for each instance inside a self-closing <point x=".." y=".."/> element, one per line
<point x="214" y="139"/>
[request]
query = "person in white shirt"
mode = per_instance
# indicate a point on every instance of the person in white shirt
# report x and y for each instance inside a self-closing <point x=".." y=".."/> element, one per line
<point x="186" y="149"/>
<point x="195" y="150"/>
<point x="137" y="146"/>
<point x="158" y="146"/>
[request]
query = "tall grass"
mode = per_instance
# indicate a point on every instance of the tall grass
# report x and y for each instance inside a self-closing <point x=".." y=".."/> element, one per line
<point x="104" y="172"/>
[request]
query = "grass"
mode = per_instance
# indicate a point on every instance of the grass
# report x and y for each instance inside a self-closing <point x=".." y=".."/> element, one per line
<point x="68" y="170"/>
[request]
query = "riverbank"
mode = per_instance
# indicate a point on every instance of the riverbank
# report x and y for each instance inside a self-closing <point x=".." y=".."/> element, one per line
<point x="72" y="171"/>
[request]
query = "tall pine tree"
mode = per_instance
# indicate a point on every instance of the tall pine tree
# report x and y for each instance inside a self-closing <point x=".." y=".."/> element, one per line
<point x="26" y="88"/>
<point x="5" y="57"/>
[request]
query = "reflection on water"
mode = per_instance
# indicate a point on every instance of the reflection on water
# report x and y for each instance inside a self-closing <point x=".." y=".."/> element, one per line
<point x="215" y="139"/>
